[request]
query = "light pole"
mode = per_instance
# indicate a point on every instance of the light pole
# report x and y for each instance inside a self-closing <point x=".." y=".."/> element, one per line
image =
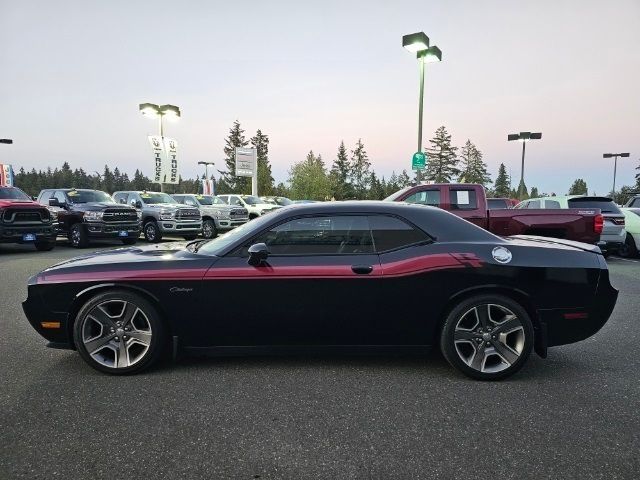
<point x="523" y="137"/>
<point x="418" y="43"/>
<point x="152" y="110"/>
<point x="206" y="170"/>
<point x="615" y="165"/>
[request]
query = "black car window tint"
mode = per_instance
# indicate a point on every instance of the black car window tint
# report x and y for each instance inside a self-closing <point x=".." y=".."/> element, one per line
<point x="45" y="196"/>
<point x="60" y="196"/>
<point x="425" y="197"/>
<point x="325" y="235"/>
<point x="463" y="199"/>
<point x="390" y="233"/>
<point x="497" y="204"/>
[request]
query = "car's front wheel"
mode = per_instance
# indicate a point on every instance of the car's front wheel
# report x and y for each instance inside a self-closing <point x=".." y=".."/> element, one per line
<point x="78" y="236"/>
<point x="209" y="230"/>
<point x="152" y="232"/>
<point x="629" y="248"/>
<point x="119" y="332"/>
<point x="487" y="337"/>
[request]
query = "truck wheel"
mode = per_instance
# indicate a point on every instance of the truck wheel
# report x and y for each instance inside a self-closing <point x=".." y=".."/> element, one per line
<point x="45" y="246"/>
<point x="628" y="249"/>
<point x="129" y="241"/>
<point x="78" y="236"/>
<point x="152" y="232"/>
<point x="487" y="337"/>
<point x="209" y="229"/>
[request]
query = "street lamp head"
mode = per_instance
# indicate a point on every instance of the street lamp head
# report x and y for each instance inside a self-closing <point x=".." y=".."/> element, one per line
<point x="149" y="109"/>
<point x="431" y="54"/>
<point x="170" y="111"/>
<point x="524" y="136"/>
<point x="8" y="141"/>
<point x="607" y="155"/>
<point x="415" y="42"/>
<point x="624" y="154"/>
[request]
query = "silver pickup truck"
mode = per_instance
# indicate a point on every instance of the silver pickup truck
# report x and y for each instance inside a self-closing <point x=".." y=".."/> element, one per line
<point x="217" y="216"/>
<point x="162" y="215"/>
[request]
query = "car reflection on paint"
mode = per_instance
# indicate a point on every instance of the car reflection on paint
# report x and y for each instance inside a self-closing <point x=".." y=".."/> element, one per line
<point x="358" y="276"/>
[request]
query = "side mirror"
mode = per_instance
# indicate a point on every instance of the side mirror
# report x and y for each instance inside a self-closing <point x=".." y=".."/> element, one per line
<point x="53" y="202"/>
<point x="258" y="254"/>
<point x="136" y="203"/>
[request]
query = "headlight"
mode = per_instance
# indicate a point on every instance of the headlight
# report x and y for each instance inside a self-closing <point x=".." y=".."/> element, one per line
<point x="53" y="214"/>
<point x="93" y="216"/>
<point x="166" y="214"/>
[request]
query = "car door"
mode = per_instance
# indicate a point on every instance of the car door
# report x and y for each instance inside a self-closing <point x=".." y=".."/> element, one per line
<point x="319" y="286"/>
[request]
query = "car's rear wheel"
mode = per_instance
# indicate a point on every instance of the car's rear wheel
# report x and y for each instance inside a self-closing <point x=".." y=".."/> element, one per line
<point x="119" y="332"/>
<point x="487" y="337"/>
<point x="78" y="236"/>
<point x="152" y="232"/>
<point x="629" y="248"/>
<point x="209" y="230"/>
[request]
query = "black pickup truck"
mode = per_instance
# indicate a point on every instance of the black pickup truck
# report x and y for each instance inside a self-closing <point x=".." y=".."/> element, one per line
<point x="91" y="214"/>
<point x="24" y="221"/>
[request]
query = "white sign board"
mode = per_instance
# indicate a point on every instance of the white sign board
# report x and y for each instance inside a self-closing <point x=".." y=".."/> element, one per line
<point x="245" y="162"/>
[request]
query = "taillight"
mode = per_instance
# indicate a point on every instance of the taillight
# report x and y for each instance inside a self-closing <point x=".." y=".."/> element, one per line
<point x="598" y="223"/>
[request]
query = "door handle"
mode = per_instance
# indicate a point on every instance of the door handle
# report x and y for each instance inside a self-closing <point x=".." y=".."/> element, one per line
<point x="362" y="269"/>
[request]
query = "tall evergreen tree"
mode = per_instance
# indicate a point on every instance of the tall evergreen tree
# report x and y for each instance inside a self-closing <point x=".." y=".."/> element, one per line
<point x="309" y="179"/>
<point x="233" y="183"/>
<point x="534" y="192"/>
<point x="472" y="168"/>
<point x="376" y="189"/>
<point x="360" y="171"/>
<point x="523" y="194"/>
<point x="265" y="178"/>
<point x="579" y="187"/>
<point x="501" y="187"/>
<point x="403" y="179"/>
<point x="443" y="161"/>
<point x="340" y="174"/>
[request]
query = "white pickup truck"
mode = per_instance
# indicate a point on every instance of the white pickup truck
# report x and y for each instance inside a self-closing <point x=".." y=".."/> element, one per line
<point x="254" y="205"/>
<point x="217" y="216"/>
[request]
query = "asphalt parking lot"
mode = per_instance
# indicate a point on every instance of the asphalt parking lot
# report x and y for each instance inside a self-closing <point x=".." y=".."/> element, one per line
<point x="574" y="415"/>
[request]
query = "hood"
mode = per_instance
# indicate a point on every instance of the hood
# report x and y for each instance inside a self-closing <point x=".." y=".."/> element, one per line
<point x="535" y="241"/>
<point x="221" y="208"/>
<point x="266" y="206"/>
<point x="99" y="206"/>
<point x="172" y="206"/>
<point x="5" y="202"/>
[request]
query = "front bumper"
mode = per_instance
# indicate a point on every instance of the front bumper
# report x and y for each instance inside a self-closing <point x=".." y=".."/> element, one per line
<point x="108" y="230"/>
<point x="170" y="226"/>
<point x="16" y="234"/>
<point x="40" y="316"/>
<point x="228" y="224"/>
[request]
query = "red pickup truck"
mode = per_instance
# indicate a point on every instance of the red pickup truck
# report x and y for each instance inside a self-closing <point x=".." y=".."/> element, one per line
<point x="469" y="201"/>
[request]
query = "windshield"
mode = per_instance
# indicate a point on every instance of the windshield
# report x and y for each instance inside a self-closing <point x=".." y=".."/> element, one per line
<point x="89" y="196"/>
<point x="251" y="200"/>
<point x="604" y="204"/>
<point x="284" y="201"/>
<point x="393" y="196"/>
<point x="219" y="244"/>
<point x="271" y="201"/>
<point x="155" y="197"/>
<point x="13" y="194"/>
<point x="209" y="200"/>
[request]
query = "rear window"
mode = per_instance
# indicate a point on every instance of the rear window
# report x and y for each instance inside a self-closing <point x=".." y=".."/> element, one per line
<point x="604" y="204"/>
<point x="497" y="204"/>
<point x="425" y="197"/>
<point x="390" y="233"/>
<point x="463" y="199"/>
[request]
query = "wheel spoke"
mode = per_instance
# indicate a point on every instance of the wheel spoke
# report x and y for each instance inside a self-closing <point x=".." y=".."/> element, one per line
<point x="122" y="355"/>
<point x="140" y="336"/>
<point x="505" y="352"/>
<point x="510" y="323"/>
<point x="463" y="335"/>
<point x="128" y="313"/>
<point x="102" y="317"/>
<point x="98" y="343"/>
<point x="479" y="356"/>
<point x="482" y="314"/>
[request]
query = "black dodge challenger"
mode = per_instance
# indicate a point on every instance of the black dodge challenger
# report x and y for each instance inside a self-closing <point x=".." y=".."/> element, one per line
<point x="348" y="276"/>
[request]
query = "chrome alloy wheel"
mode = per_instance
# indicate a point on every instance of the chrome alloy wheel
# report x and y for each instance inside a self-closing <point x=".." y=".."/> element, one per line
<point x="489" y="338"/>
<point x="75" y="236"/>
<point x="150" y="231"/>
<point x="116" y="333"/>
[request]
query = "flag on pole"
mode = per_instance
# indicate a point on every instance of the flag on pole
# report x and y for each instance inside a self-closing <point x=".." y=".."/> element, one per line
<point x="6" y="175"/>
<point x="208" y="188"/>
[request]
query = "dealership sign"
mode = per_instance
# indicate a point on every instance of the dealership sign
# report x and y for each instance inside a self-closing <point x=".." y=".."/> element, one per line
<point x="6" y="175"/>
<point x="245" y="162"/>
<point x="165" y="158"/>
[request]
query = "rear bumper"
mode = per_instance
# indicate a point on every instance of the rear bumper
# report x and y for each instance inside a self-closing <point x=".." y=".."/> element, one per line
<point x="15" y="234"/>
<point x="561" y="326"/>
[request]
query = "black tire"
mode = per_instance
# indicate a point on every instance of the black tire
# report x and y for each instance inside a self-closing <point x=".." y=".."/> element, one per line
<point x="78" y="236"/>
<point x="488" y="346"/>
<point x="190" y="237"/>
<point x="157" y="333"/>
<point x="152" y="232"/>
<point x="45" y="246"/>
<point x="629" y="248"/>
<point x="130" y="241"/>
<point x="209" y="229"/>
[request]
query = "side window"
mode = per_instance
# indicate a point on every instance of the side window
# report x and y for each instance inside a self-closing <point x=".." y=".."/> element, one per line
<point x="463" y="199"/>
<point x="62" y="198"/>
<point x="551" y="204"/>
<point x="320" y="235"/>
<point x="120" y="197"/>
<point x="635" y="203"/>
<point x="390" y="233"/>
<point x="189" y="201"/>
<point x="522" y="204"/>
<point x="234" y="201"/>
<point x="44" y="197"/>
<point x="425" y="197"/>
<point x="533" y="204"/>
<point x="179" y="199"/>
